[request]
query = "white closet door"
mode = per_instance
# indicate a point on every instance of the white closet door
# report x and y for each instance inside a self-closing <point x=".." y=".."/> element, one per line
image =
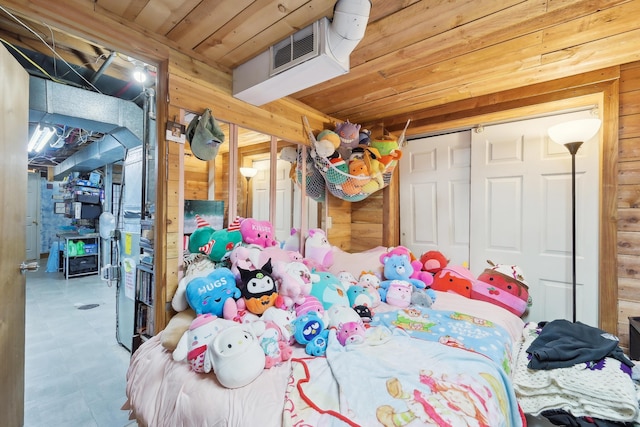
<point x="521" y="213"/>
<point x="434" y="195"/>
<point x="284" y="194"/>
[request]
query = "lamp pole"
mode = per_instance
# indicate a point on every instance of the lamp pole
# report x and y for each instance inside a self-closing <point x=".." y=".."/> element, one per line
<point x="573" y="149"/>
<point x="572" y="134"/>
<point x="246" y="201"/>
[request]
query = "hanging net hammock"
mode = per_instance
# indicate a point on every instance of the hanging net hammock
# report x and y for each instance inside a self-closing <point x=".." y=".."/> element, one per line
<point x="353" y="171"/>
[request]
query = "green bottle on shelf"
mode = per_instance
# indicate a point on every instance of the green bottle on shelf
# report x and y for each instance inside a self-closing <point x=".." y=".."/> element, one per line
<point x="72" y="249"/>
<point x="80" y="247"/>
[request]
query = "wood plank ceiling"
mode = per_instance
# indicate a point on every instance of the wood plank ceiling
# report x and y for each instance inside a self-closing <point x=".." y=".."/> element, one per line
<point x="415" y="55"/>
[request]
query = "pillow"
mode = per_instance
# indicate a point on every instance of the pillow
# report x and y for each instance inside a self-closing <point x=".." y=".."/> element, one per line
<point x="177" y="326"/>
<point x="356" y="263"/>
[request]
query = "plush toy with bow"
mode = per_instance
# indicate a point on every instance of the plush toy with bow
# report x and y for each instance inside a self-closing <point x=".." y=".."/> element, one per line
<point x="236" y="356"/>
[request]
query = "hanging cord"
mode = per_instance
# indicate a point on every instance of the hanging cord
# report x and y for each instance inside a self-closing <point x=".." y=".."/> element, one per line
<point x="15" y="18"/>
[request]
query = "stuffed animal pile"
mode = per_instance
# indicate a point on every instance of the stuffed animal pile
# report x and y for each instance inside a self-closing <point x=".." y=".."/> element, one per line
<point x="247" y="308"/>
<point x="353" y="162"/>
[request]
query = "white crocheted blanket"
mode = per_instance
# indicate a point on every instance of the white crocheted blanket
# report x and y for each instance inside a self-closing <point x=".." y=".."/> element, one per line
<point x="600" y="389"/>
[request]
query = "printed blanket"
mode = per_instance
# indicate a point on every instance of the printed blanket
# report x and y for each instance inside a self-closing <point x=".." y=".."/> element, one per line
<point x="393" y="379"/>
<point x="453" y="329"/>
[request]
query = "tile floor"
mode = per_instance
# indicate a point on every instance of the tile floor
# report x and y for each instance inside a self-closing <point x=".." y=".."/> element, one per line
<point x="75" y="369"/>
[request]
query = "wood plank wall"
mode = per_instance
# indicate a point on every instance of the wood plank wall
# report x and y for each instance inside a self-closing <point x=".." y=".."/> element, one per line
<point x="628" y="248"/>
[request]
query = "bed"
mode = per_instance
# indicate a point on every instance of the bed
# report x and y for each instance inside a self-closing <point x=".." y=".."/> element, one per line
<point x="449" y="364"/>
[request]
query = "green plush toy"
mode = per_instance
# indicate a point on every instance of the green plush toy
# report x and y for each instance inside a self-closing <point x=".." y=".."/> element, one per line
<point x="216" y="244"/>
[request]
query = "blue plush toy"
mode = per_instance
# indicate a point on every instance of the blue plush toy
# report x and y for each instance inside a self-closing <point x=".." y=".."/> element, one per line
<point x="208" y="294"/>
<point x="359" y="295"/>
<point x="309" y="330"/>
<point x="398" y="267"/>
<point x="329" y="290"/>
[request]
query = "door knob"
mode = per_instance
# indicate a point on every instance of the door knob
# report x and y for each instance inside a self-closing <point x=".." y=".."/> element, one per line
<point x="29" y="266"/>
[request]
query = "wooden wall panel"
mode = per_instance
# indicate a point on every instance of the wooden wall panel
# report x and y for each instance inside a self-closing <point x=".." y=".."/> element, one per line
<point x="628" y="249"/>
<point x="367" y="217"/>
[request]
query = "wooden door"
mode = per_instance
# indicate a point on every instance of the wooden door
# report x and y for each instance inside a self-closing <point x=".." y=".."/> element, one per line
<point x="521" y="213"/>
<point x="14" y="117"/>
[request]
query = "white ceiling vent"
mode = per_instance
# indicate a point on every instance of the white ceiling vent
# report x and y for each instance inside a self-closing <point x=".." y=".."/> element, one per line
<point x="295" y="49"/>
<point x="310" y="56"/>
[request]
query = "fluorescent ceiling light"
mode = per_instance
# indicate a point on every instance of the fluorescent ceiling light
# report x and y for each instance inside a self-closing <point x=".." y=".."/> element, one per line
<point x="40" y="137"/>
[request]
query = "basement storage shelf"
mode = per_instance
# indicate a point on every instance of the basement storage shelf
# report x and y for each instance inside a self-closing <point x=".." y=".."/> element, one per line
<point x="80" y="255"/>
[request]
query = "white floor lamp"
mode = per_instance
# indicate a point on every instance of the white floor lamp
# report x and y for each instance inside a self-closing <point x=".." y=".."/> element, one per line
<point x="572" y="134"/>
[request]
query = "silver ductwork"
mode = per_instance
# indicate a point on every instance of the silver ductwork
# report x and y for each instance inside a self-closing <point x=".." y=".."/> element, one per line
<point x="58" y="104"/>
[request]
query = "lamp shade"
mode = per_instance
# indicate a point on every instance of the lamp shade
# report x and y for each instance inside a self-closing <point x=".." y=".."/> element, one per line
<point x="248" y="172"/>
<point x="580" y="130"/>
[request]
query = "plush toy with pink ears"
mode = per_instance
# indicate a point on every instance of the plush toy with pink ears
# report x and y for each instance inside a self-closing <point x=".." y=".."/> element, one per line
<point x="423" y="276"/>
<point x="317" y="248"/>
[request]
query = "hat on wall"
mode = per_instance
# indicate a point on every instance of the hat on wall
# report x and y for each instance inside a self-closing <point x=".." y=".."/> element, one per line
<point x="205" y="136"/>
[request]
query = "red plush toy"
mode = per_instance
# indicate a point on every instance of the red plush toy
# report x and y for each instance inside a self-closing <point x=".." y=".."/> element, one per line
<point x="433" y="261"/>
<point x="504" y="286"/>
<point x="456" y="279"/>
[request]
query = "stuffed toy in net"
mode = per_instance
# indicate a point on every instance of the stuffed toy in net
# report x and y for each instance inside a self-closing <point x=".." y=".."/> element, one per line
<point x="360" y="165"/>
<point x="314" y="184"/>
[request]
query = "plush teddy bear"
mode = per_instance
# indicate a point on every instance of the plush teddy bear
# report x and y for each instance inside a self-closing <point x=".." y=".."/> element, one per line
<point x="236" y="356"/>
<point x="208" y="294"/>
<point x="425" y="277"/>
<point x="398" y="268"/>
<point x="318" y="248"/>
<point x="310" y="331"/>
<point x="504" y="286"/>
<point x="258" y="288"/>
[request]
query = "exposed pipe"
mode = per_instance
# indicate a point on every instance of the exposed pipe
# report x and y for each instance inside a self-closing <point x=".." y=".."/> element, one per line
<point x="107" y="62"/>
<point x="349" y="23"/>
